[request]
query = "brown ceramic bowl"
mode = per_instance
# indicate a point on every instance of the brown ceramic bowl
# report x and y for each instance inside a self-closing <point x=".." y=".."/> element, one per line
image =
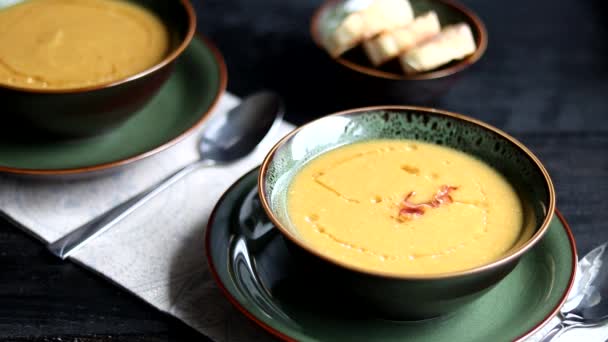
<point x="93" y="110"/>
<point x="449" y="12"/>
<point x="416" y="296"/>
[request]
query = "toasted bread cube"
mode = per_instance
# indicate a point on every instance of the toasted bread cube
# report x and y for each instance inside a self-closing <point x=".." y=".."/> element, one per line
<point x="454" y="42"/>
<point x="378" y="16"/>
<point x="390" y="44"/>
<point x="386" y="15"/>
<point x="346" y="36"/>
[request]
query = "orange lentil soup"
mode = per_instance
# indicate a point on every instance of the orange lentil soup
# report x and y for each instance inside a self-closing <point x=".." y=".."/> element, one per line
<point x="405" y="207"/>
<point x="61" y="44"/>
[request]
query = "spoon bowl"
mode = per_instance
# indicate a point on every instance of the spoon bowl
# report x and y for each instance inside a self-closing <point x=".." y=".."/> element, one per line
<point x="589" y="306"/>
<point x="226" y="137"/>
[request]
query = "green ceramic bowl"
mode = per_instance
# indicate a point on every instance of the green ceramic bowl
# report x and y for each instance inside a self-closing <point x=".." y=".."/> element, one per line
<point x="93" y="110"/>
<point x="416" y="296"/>
<point x="448" y="11"/>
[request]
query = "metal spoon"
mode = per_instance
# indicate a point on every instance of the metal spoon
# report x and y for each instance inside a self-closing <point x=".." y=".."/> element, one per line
<point x="226" y="138"/>
<point x="592" y="310"/>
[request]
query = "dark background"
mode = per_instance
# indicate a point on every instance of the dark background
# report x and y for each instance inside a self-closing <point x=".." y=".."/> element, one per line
<point x="543" y="79"/>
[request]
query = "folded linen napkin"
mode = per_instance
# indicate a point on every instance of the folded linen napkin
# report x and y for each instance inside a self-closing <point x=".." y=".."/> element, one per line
<point x="156" y="253"/>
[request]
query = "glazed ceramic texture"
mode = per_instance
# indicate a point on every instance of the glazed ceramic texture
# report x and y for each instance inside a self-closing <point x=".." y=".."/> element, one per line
<point x="294" y="303"/>
<point x="182" y="104"/>
<point x="99" y="109"/>
<point x="407" y="297"/>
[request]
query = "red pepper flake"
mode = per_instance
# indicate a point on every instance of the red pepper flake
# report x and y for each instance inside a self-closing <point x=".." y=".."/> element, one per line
<point x="411" y="210"/>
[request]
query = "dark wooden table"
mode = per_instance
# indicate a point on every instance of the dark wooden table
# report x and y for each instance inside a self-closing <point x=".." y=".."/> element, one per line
<point x="544" y="79"/>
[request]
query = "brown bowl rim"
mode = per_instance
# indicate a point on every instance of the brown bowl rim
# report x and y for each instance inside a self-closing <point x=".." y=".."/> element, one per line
<point x="273" y="331"/>
<point x="510" y="257"/>
<point x="166" y="61"/>
<point x="221" y="89"/>
<point x="481" y="42"/>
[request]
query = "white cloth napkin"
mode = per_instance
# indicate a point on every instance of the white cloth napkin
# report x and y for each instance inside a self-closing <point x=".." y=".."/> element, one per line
<point x="157" y="253"/>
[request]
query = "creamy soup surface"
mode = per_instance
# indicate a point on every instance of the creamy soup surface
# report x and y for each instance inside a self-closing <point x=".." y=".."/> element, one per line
<point x="59" y="44"/>
<point x="405" y="207"/>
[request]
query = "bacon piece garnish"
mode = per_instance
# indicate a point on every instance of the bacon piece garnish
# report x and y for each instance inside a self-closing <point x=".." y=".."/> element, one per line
<point x="443" y="196"/>
<point x="411" y="210"/>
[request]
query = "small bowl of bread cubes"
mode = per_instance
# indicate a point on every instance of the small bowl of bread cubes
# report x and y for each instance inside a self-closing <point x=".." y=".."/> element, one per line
<point x="400" y="39"/>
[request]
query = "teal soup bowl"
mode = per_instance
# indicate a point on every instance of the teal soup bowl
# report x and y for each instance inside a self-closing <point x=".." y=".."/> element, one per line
<point x="89" y="111"/>
<point x="389" y="295"/>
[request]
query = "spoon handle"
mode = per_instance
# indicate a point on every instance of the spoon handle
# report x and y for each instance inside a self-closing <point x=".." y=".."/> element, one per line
<point x="80" y="236"/>
<point x="559" y="329"/>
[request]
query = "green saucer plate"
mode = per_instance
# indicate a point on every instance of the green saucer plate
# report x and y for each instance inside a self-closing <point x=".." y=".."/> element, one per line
<point x="257" y="275"/>
<point x="196" y="84"/>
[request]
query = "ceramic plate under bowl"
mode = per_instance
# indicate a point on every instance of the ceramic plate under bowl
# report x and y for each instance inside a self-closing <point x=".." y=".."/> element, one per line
<point x="269" y="289"/>
<point x="187" y="98"/>
<point x="448" y="11"/>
